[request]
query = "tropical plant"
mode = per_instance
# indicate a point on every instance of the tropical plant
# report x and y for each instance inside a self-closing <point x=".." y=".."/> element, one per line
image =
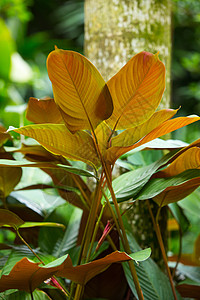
<point x="95" y="122"/>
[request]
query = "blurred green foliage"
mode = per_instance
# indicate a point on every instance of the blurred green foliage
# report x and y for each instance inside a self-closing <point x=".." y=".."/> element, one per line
<point x="186" y="56"/>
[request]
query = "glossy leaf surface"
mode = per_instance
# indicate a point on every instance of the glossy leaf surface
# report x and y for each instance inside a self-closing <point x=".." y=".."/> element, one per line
<point x="42" y="111"/>
<point x="58" y="140"/>
<point x="79" y="90"/>
<point x="172" y="189"/>
<point x="136" y="90"/>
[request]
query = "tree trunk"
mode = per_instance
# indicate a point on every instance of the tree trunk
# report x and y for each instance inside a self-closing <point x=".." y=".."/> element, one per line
<point x="115" y="30"/>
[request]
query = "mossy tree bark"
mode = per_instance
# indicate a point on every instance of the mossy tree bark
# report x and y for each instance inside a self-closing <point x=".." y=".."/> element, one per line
<point x="115" y="30"/>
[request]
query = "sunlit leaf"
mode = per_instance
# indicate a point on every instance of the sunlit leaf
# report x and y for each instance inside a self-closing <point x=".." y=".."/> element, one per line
<point x="168" y="126"/>
<point x="27" y="275"/>
<point x="9" y="218"/>
<point x="103" y="133"/>
<point x="58" y="140"/>
<point x="42" y="111"/>
<point x="132" y="135"/>
<point x="141" y="255"/>
<point x="190" y="159"/>
<point x="79" y="90"/>
<point x="136" y="90"/>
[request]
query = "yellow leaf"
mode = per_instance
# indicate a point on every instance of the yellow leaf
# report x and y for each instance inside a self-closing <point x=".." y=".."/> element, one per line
<point x="103" y="133"/>
<point x="189" y="159"/>
<point x="57" y="139"/>
<point x="136" y="91"/>
<point x="42" y="111"/>
<point x="132" y="135"/>
<point x="79" y="90"/>
<point x="168" y="126"/>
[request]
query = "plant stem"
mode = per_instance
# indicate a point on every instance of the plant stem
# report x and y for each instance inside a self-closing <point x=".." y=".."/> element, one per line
<point x="95" y="233"/>
<point x="34" y="253"/>
<point x="125" y="240"/>
<point x="162" y="248"/>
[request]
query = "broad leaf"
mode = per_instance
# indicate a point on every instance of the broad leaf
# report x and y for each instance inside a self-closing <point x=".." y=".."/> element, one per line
<point x="60" y="141"/>
<point x="43" y="165"/>
<point x="154" y="283"/>
<point x="190" y="159"/>
<point x="172" y="189"/>
<point x="79" y="90"/>
<point x="168" y="126"/>
<point x="42" y="111"/>
<point x="21" y="295"/>
<point x="132" y="135"/>
<point x="136" y="90"/>
<point x="127" y="185"/>
<point x="27" y="275"/>
<point x="9" y="178"/>
<point x="9" y="218"/>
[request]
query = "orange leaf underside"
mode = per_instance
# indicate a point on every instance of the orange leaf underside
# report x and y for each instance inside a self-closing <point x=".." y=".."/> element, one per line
<point x="136" y="91"/>
<point x="43" y="111"/>
<point x="79" y="90"/>
<point x="27" y="275"/>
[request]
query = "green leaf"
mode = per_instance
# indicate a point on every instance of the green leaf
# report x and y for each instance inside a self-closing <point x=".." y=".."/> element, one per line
<point x="128" y="185"/>
<point x="6" y="50"/>
<point x="154" y="283"/>
<point x="17" y="163"/>
<point x="141" y="255"/>
<point x="21" y="295"/>
<point x="188" y="178"/>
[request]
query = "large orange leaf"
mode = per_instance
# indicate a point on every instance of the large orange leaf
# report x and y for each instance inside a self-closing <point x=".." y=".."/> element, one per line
<point x="79" y="90"/>
<point x="189" y="159"/>
<point x="57" y="139"/>
<point x="42" y="111"/>
<point x="130" y="136"/>
<point x="136" y="90"/>
<point x="168" y="126"/>
<point x="27" y="275"/>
